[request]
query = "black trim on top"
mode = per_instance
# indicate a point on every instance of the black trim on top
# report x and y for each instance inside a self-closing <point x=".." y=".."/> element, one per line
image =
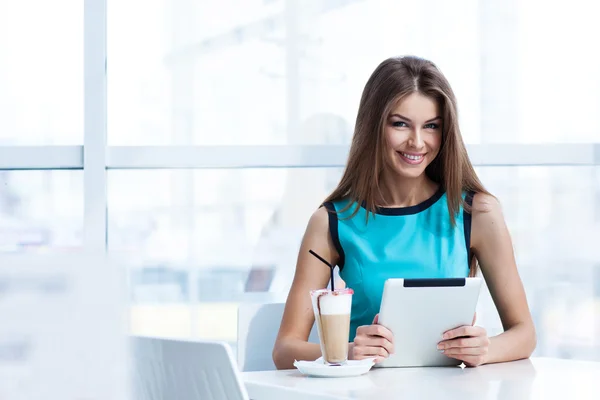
<point x="333" y="231"/>
<point x="441" y="282"/>
<point x="411" y="209"/>
<point x="467" y="218"/>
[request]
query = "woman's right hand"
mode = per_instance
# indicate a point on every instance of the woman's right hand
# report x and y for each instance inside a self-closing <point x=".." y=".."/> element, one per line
<point x="372" y="341"/>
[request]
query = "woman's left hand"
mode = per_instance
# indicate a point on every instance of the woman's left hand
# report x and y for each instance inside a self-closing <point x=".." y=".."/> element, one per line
<point x="468" y="344"/>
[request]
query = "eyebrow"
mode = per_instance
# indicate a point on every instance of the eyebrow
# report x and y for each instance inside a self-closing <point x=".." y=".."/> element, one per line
<point x="408" y="119"/>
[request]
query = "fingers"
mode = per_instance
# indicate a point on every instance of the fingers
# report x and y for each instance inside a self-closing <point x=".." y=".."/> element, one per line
<point x="378" y="353"/>
<point x="374" y="341"/>
<point x="375" y="330"/>
<point x="477" y="341"/>
<point x="361" y="352"/>
<point x="465" y="351"/>
<point x="466" y="330"/>
<point x="468" y="344"/>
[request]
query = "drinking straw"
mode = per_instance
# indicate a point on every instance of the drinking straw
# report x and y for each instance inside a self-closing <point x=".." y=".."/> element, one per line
<point x="331" y="267"/>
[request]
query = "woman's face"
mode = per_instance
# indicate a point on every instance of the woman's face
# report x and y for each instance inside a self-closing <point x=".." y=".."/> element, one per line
<point x="413" y="132"/>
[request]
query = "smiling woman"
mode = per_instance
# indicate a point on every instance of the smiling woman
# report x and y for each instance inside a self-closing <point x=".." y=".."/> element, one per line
<point x="431" y="217"/>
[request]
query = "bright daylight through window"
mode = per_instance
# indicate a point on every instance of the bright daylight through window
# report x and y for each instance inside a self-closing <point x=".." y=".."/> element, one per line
<point x="215" y="128"/>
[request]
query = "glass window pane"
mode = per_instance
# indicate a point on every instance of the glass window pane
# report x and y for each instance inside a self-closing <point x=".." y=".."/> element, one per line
<point x="553" y="214"/>
<point x="40" y="210"/>
<point x="292" y="72"/>
<point x="200" y="242"/>
<point x="41" y="72"/>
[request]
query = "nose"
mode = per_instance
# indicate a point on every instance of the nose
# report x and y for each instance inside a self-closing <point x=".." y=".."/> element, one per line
<point x="416" y="139"/>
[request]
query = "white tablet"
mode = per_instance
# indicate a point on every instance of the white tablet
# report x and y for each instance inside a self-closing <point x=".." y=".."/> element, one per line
<point x="419" y="311"/>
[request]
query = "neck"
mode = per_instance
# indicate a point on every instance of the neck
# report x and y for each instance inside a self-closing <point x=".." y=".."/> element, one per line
<point x="405" y="192"/>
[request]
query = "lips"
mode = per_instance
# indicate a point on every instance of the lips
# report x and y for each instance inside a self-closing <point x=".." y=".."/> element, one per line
<point x="411" y="158"/>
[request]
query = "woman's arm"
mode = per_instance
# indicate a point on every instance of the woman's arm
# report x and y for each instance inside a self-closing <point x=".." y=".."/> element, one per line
<point x="492" y="245"/>
<point x="298" y="318"/>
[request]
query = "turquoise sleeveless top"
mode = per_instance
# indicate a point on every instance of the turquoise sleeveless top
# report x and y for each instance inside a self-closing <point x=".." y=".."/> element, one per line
<point x="407" y="242"/>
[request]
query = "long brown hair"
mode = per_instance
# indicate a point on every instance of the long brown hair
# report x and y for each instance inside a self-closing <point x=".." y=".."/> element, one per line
<point x="393" y="80"/>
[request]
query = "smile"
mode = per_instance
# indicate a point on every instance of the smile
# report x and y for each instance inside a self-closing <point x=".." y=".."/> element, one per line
<point x="412" y="159"/>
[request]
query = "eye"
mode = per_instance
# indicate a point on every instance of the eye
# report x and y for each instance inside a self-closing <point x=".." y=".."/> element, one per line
<point x="432" y="126"/>
<point x="399" y="124"/>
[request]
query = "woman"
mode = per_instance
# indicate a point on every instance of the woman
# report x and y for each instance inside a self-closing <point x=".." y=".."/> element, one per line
<point x="409" y="205"/>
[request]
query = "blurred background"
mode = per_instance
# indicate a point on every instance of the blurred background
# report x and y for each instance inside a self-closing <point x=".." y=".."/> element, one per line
<point x="253" y="73"/>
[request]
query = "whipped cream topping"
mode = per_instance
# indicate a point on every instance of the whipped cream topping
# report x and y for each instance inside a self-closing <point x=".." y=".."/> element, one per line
<point x="335" y="304"/>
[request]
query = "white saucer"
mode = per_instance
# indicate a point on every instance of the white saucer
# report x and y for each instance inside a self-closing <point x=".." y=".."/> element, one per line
<point x="318" y="368"/>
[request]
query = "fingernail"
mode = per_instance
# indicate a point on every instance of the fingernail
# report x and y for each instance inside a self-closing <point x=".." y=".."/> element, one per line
<point x="440" y="347"/>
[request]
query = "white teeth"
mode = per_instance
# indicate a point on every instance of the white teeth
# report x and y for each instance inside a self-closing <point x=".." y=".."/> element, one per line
<point x="411" y="157"/>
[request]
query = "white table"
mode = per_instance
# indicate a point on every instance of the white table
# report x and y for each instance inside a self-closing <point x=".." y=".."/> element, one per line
<point x="537" y="378"/>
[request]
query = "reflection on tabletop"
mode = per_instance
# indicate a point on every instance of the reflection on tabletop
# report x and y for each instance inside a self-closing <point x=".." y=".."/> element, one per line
<point x="538" y="378"/>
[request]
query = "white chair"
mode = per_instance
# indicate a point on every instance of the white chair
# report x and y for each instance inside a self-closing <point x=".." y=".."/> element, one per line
<point x="167" y="369"/>
<point x="258" y="325"/>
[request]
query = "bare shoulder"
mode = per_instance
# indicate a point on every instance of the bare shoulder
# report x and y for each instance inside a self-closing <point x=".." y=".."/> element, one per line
<point x="319" y="219"/>
<point x="484" y="203"/>
<point x="488" y="220"/>
<point x="317" y="235"/>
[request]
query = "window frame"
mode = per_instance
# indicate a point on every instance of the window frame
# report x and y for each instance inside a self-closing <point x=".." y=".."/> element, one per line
<point x="95" y="157"/>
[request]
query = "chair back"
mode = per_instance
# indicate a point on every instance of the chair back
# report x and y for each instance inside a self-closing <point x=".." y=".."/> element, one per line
<point x="258" y="325"/>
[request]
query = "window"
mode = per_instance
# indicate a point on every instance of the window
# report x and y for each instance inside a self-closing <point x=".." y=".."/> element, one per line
<point x="40" y="210"/>
<point x="291" y="72"/>
<point x="553" y="214"/>
<point x="205" y="240"/>
<point x="41" y="73"/>
<point x="197" y="144"/>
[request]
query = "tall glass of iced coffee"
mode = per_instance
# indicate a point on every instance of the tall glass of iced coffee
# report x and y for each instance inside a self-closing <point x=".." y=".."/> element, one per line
<point x="332" y="316"/>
